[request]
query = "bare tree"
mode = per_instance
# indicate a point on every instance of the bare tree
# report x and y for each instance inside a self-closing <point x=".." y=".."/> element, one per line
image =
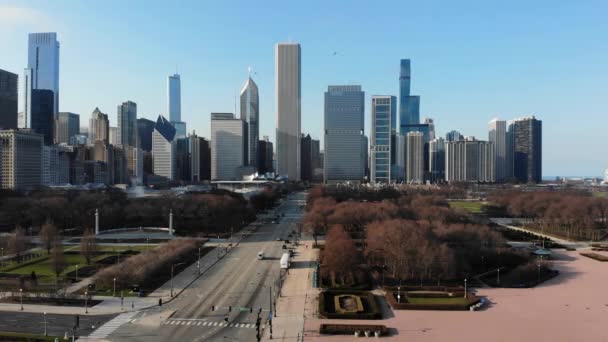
<point x="17" y="243"/>
<point x="58" y="263"/>
<point x="88" y="246"/>
<point x="48" y="235"/>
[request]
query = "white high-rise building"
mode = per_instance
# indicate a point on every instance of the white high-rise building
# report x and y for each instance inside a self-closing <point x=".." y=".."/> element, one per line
<point x="415" y="158"/>
<point x="163" y="149"/>
<point x="250" y="113"/>
<point x="20" y="159"/>
<point x="498" y="135"/>
<point x="288" y="106"/>
<point x="606" y="176"/>
<point x="227" y="142"/>
<point x="43" y="60"/>
<point x="383" y="129"/>
<point x="469" y="160"/>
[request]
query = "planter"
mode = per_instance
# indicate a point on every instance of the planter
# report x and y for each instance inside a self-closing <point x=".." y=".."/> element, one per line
<point x="368" y="333"/>
<point x="377" y="333"/>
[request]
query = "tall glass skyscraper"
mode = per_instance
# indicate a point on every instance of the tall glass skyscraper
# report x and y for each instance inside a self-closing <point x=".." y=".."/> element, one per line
<point x="174" y="105"/>
<point x="288" y="76"/>
<point x="384" y="115"/>
<point x="250" y="113"/>
<point x="127" y="124"/>
<point x="525" y="140"/>
<point x="409" y="106"/>
<point x="43" y="60"/>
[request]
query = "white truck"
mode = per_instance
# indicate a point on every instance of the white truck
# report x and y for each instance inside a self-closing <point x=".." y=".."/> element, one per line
<point x="285" y="261"/>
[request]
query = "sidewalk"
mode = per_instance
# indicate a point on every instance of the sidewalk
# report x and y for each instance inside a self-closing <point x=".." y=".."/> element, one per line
<point x="298" y="297"/>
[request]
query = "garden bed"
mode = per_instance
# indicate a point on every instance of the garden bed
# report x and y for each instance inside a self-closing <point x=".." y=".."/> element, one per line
<point x="349" y="329"/>
<point x="595" y="256"/>
<point x="55" y="301"/>
<point x="14" y="337"/>
<point x="430" y="298"/>
<point x="368" y="309"/>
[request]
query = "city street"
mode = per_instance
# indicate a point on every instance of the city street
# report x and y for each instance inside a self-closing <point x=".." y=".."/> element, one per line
<point x="57" y="325"/>
<point x="235" y="285"/>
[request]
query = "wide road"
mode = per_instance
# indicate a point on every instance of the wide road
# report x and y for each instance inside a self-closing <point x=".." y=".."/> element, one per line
<point x="57" y="325"/>
<point x="234" y="285"/>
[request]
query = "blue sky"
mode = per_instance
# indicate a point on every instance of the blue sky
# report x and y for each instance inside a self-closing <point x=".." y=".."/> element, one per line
<point x="471" y="60"/>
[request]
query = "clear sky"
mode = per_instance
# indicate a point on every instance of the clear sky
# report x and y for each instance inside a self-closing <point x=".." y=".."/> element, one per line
<point x="471" y="60"/>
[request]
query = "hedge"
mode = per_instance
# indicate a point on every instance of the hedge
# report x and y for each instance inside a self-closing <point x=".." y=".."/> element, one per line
<point x="458" y="291"/>
<point x="13" y="336"/>
<point x="326" y="310"/>
<point x="349" y="329"/>
<point x="595" y="256"/>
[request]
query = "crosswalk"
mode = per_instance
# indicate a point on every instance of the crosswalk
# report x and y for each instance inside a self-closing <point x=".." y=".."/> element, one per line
<point x="113" y="324"/>
<point x="209" y="324"/>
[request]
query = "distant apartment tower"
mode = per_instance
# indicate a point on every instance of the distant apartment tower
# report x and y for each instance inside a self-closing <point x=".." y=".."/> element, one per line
<point x="437" y="160"/>
<point x="453" y="136"/>
<point x="344" y="127"/>
<point x="497" y="135"/>
<point x="67" y="126"/>
<point x="99" y="127"/>
<point x="145" y="128"/>
<point x="127" y="124"/>
<point x="415" y="158"/>
<point x="164" y="149"/>
<point x="383" y="129"/>
<point x="8" y="100"/>
<point x="43" y="64"/>
<point x="525" y="140"/>
<point x="250" y="113"/>
<point x="288" y="107"/>
<point x="174" y="105"/>
<point x="470" y="160"/>
<point x="20" y="159"/>
<point x="227" y="141"/>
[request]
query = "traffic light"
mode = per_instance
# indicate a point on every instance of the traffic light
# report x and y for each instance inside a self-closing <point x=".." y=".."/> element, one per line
<point x="212" y="307"/>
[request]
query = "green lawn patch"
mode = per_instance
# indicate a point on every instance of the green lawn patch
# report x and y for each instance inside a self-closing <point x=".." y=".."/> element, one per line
<point x="472" y="207"/>
<point x="13" y="336"/>
<point x="453" y="300"/>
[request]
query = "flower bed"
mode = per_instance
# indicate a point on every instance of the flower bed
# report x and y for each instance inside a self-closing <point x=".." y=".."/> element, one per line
<point x="327" y="306"/>
<point x="449" y="299"/>
<point x="349" y="329"/>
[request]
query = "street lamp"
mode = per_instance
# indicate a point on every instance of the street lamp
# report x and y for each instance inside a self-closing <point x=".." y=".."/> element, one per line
<point x="498" y="276"/>
<point x="172" y="269"/>
<point x="198" y="262"/>
<point x="465" y="287"/>
<point x="538" y="273"/>
<point x="114" y="288"/>
<point x="86" y="302"/>
<point x="399" y="294"/>
<point x="77" y="273"/>
<point x="21" y="295"/>
<point x="45" y="334"/>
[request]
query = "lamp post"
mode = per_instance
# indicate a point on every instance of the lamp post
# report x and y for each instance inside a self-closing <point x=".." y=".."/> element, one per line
<point x="538" y="273"/>
<point x="198" y="262"/>
<point x="45" y="333"/>
<point x="21" y="295"/>
<point x="465" y="287"/>
<point x="498" y="276"/>
<point x="77" y="273"/>
<point x="399" y="294"/>
<point x="172" y="269"/>
<point x="86" y="302"/>
<point x="114" y="287"/>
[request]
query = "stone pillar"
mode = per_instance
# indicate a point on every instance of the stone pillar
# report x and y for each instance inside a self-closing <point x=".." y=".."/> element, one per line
<point x="96" y="222"/>
<point x="171" y="222"/>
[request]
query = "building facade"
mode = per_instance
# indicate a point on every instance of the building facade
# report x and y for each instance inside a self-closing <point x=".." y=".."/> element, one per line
<point x="383" y="129"/>
<point x="409" y="106"/>
<point x="288" y="107"/>
<point x="227" y="141"/>
<point x="437" y="160"/>
<point x="497" y="134"/>
<point x="526" y="146"/>
<point x="164" y="149"/>
<point x="127" y="124"/>
<point x="43" y="61"/>
<point x="20" y="159"/>
<point x="145" y="128"/>
<point x="265" y="151"/>
<point x="8" y="100"/>
<point x="67" y="126"/>
<point x="415" y="158"/>
<point x="306" y="158"/>
<point x="174" y="105"/>
<point x="344" y="129"/>
<point x="453" y="136"/>
<point x="99" y="127"/>
<point x="250" y="113"/>
<point x="470" y="160"/>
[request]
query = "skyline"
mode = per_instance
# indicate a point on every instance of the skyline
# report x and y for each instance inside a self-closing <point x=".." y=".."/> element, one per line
<point x="515" y="70"/>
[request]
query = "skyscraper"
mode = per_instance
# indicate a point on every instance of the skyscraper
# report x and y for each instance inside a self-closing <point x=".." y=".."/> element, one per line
<point x="41" y="114"/>
<point x="437" y="160"/>
<point x="453" y="136"/>
<point x="227" y="141"/>
<point x="127" y="124"/>
<point x="163" y="149"/>
<point x="344" y="127"/>
<point x="8" y="100"/>
<point x="113" y="135"/>
<point x="145" y="128"/>
<point x="383" y="127"/>
<point x="415" y="158"/>
<point x="498" y="135"/>
<point x="526" y="139"/>
<point x="265" y="151"/>
<point x="306" y="158"/>
<point x="174" y="105"/>
<point x="67" y="125"/>
<point x="288" y="107"/>
<point x="43" y="60"/>
<point x="250" y="113"/>
<point x="20" y="159"/>
<point x="409" y="106"/>
<point x="469" y="160"/>
<point x="99" y="127"/>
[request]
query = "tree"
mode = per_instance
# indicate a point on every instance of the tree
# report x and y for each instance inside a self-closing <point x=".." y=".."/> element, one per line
<point x="88" y="246"/>
<point x="17" y="243"/>
<point x="340" y="253"/>
<point x="48" y="235"/>
<point x="58" y="263"/>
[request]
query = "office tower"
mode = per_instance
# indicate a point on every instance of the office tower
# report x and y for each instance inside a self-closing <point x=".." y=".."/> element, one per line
<point x="383" y="129"/>
<point x="437" y="160"/>
<point x="265" y="150"/>
<point x="409" y="106"/>
<point x="365" y="155"/>
<point x="344" y="127"/>
<point x="306" y="158"/>
<point x="120" y="173"/>
<point x="288" y="106"/>
<point x="453" y="136"/>
<point x="470" y="160"/>
<point x="526" y="144"/>
<point x="135" y="164"/>
<point x="43" y="60"/>
<point x="99" y="127"/>
<point x="250" y="113"/>
<point x="127" y="124"/>
<point x="67" y="125"/>
<point x="194" y="150"/>
<point x="8" y="100"/>
<point x="205" y="159"/>
<point x="182" y="160"/>
<point x="145" y="128"/>
<point x="431" y="125"/>
<point x="174" y="105"/>
<point x="498" y="135"/>
<point x="113" y="135"/>
<point x="227" y="141"/>
<point x="415" y="158"/>
<point x="20" y="159"/>
<point x="42" y="116"/>
<point x="398" y="173"/>
<point x="163" y="149"/>
<point x="49" y="167"/>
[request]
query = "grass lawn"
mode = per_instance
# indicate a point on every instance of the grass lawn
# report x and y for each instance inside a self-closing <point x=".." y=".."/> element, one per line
<point x="451" y="300"/>
<point x="473" y="207"/>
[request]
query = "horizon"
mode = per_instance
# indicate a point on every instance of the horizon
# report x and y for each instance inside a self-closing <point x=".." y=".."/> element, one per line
<point x="518" y="63"/>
